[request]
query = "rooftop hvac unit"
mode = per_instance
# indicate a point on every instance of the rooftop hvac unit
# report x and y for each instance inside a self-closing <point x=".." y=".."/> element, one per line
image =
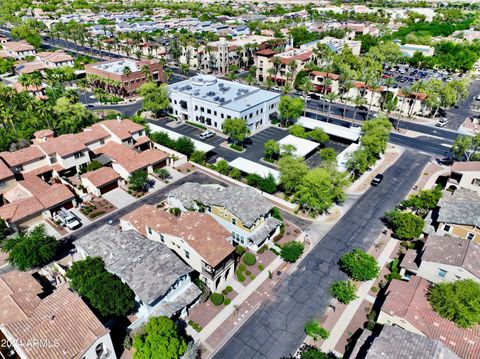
<point x="221" y="100"/>
<point x="216" y="98"/>
<point x="188" y="87"/>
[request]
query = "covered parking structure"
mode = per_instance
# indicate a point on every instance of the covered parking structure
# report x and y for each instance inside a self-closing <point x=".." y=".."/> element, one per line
<point x="250" y="167"/>
<point x="351" y="134"/>
<point x="303" y="147"/>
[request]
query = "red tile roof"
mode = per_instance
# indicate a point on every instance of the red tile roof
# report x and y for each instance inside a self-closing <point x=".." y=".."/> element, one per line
<point x="18" y="46"/>
<point x="62" y="318"/>
<point x="63" y="145"/>
<point x="471" y="166"/>
<point x="416" y="95"/>
<point x="203" y="233"/>
<point x="130" y="159"/>
<point x="123" y="128"/>
<point x="43" y="133"/>
<point x="22" y="156"/>
<point x="18" y="296"/>
<point x="266" y="52"/>
<point x="102" y="176"/>
<point x="408" y="300"/>
<point x="92" y="134"/>
<point x="5" y="171"/>
<point x="325" y="74"/>
<point x="141" y="140"/>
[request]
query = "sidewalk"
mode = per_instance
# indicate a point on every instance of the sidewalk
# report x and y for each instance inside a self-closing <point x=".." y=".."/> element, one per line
<point x="237" y="301"/>
<point x="352" y="307"/>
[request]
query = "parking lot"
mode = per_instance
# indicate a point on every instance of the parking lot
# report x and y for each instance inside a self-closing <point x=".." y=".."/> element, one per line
<point x="405" y="75"/>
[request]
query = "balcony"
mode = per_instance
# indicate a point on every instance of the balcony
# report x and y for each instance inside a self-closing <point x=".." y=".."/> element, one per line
<point x="211" y="273"/>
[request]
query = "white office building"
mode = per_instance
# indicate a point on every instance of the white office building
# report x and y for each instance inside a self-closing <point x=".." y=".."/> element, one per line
<point x="209" y="101"/>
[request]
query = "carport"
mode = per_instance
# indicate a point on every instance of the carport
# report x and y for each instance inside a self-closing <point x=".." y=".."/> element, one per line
<point x="199" y="145"/>
<point x="303" y="147"/>
<point x="250" y="167"/>
<point x="347" y="133"/>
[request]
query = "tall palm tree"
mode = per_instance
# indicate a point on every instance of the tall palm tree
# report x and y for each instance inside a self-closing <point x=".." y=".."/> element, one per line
<point x="276" y="65"/>
<point x="127" y="70"/>
<point x="327" y="82"/>
<point x="146" y="71"/>
<point x="306" y="87"/>
<point x="331" y="97"/>
<point x="374" y="86"/>
<point x="406" y="92"/>
<point x="358" y="101"/>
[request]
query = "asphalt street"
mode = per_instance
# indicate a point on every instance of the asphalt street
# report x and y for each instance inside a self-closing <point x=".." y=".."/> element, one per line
<point x="276" y="329"/>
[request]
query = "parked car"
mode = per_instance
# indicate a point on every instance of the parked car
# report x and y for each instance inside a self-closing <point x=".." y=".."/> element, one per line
<point x="305" y="98"/>
<point x="377" y="180"/>
<point x="442" y="122"/>
<point x="206" y="134"/>
<point x="67" y="218"/>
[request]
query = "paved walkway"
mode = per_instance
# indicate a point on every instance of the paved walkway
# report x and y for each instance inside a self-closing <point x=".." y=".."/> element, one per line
<point x="352" y="307"/>
<point x="218" y="320"/>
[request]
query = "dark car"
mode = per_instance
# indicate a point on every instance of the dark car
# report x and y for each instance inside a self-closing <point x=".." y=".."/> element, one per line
<point x="377" y="180"/>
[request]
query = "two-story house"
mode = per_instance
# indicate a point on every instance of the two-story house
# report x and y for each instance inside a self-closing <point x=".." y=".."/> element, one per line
<point x="443" y="259"/>
<point x="241" y="210"/>
<point x="19" y="49"/>
<point x="196" y="237"/>
<point x="459" y="214"/>
<point x="159" y="278"/>
<point x="465" y="175"/>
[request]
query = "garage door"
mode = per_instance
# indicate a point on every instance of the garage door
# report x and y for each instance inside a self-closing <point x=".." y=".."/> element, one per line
<point x="108" y="187"/>
<point x="160" y="165"/>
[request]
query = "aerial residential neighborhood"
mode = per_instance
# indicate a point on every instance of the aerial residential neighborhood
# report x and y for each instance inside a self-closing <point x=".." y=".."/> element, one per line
<point x="239" y="179"/>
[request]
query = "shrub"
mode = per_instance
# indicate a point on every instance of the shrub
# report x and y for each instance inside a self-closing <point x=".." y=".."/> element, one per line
<point x="262" y="249"/>
<point x="236" y="147"/>
<point x="229" y="288"/>
<point x="344" y="291"/>
<point x="359" y="265"/>
<point x="261" y="267"/>
<point x="252" y="277"/>
<point x="227" y="301"/>
<point x="96" y="214"/>
<point x="235" y="173"/>
<point x="240" y="250"/>
<point x="247" y="273"/>
<point x="242" y="267"/>
<point x="314" y="330"/>
<point x="405" y="225"/>
<point x="374" y="289"/>
<point x="225" y="292"/>
<point x="163" y="173"/>
<point x="394" y="270"/>
<point x="291" y="251"/>
<point x="216" y="299"/>
<point x="249" y="259"/>
<point x="197" y="327"/>
<point x="175" y="211"/>
<point x="276" y="214"/>
<point x="198" y="157"/>
<point x="240" y="277"/>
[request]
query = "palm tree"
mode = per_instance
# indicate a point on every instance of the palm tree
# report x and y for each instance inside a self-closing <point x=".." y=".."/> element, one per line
<point x="268" y="83"/>
<point x="406" y="92"/>
<point x="293" y="66"/>
<point x="306" y="88"/>
<point x="276" y="65"/>
<point x="184" y="68"/>
<point x="146" y="71"/>
<point x="127" y="70"/>
<point x="327" y="82"/>
<point x="358" y="101"/>
<point x="331" y="97"/>
<point x="374" y="86"/>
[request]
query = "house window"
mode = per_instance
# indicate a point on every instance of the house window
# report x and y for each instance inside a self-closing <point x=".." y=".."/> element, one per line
<point x="447" y="228"/>
<point x="470" y="236"/>
<point x="234" y="221"/>
<point x="102" y="142"/>
<point x="209" y="210"/>
<point x="162" y="238"/>
<point x="99" y="350"/>
<point x="187" y="254"/>
<point x="442" y="273"/>
<point x="79" y="154"/>
<point x="476" y="182"/>
<point x="149" y="230"/>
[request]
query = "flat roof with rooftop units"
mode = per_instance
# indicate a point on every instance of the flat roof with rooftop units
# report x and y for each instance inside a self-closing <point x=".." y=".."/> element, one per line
<point x="118" y="67"/>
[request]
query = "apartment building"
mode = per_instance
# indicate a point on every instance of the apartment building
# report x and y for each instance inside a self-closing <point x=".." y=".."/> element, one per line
<point x="281" y="67"/>
<point x="210" y="101"/>
<point x="241" y="210"/>
<point x="123" y="77"/>
<point x="160" y="280"/>
<point x="196" y="237"/>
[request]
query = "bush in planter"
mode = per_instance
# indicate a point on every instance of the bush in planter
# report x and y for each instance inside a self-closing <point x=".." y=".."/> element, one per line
<point x="291" y="251"/>
<point x="216" y="299"/>
<point x="315" y="330"/>
<point x="175" y="211"/>
<point x="241" y="267"/>
<point x="249" y="259"/>
<point x="240" y="277"/>
<point x="261" y="267"/>
<point x="247" y="273"/>
<point x="229" y="288"/>
<point x="240" y="250"/>
<point x="227" y="301"/>
<point x="252" y="277"/>
<point x="225" y="292"/>
<point x="344" y="291"/>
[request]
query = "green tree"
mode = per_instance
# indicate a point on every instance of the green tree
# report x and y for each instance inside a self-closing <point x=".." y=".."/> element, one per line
<point x="271" y="149"/>
<point x="160" y="339"/>
<point x="292" y="171"/>
<point x="72" y="116"/>
<point x="155" y="98"/>
<point x="290" y="109"/>
<point x="466" y="147"/>
<point x="4" y="230"/>
<point x="405" y="225"/>
<point x="319" y="189"/>
<point x="235" y="173"/>
<point x="457" y="301"/>
<point x="29" y="32"/>
<point x="138" y="181"/>
<point x="268" y="184"/>
<point x="316" y="331"/>
<point x="358" y="162"/>
<point x="319" y="135"/>
<point x="94" y="165"/>
<point x="297" y="130"/>
<point x="425" y="199"/>
<point x="329" y="157"/>
<point x="29" y="250"/>
<point x="222" y="167"/>
<point x="198" y="157"/>
<point x="104" y="291"/>
<point x="359" y="265"/>
<point x="344" y="291"/>
<point x="236" y="129"/>
<point x="185" y="145"/>
<point x="291" y="251"/>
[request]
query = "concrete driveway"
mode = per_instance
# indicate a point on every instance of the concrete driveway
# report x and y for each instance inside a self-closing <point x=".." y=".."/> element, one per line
<point x="119" y="197"/>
